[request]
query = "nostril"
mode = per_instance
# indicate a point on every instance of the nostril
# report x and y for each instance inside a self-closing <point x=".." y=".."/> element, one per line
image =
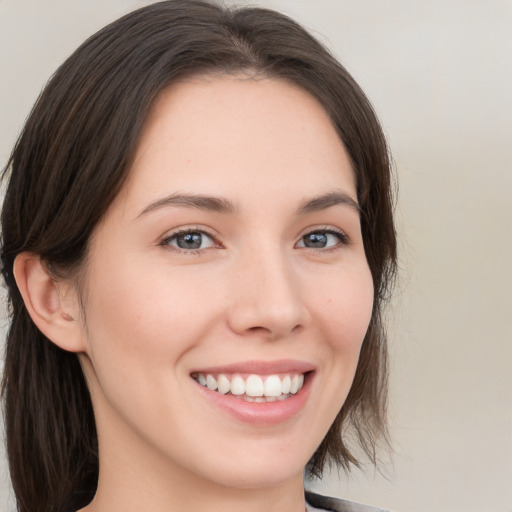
<point x="273" y="333"/>
<point x="258" y="329"/>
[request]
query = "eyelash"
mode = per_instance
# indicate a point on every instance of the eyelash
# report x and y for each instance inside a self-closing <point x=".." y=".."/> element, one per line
<point x="328" y="230"/>
<point x="342" y="237"/>
<point x="201" y="231"/>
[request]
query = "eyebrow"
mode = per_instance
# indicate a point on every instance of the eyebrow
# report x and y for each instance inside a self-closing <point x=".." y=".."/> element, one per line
<point x="200" y="202"/>
<point x="222" y="205"/>
<point x="325" y="201"/>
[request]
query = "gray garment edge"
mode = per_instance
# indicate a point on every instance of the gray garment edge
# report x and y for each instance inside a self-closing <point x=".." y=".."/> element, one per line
<point x="337" y="505"/>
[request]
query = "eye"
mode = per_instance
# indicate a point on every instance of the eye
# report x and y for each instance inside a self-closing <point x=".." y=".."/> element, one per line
<point x="322" y="239"/>
<point x="190" y="240"/>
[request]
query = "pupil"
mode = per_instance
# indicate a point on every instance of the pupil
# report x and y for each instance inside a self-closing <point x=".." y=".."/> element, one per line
<point x="315" y="240"/>
<point x="189" y="241"/>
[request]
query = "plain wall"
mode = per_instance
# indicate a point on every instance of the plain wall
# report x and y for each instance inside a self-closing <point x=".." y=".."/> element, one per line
<point x="440" y="76"/>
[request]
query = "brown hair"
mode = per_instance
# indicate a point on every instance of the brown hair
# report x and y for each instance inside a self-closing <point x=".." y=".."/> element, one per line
<point x="70" y="162"/>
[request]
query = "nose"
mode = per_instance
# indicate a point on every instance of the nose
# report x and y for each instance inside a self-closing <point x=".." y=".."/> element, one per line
<point x="267" y="300"/>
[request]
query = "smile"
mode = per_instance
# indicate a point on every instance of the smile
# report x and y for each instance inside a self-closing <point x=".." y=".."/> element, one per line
<point x="260" y="393"/>
<point x="253" y="388"/>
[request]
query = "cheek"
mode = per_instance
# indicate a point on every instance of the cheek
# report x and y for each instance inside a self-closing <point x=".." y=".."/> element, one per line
<point x="342" y="313"/>
<point x="347" y="305"/>
<point x="140" y="326"/>
<point x="152" y="315"/>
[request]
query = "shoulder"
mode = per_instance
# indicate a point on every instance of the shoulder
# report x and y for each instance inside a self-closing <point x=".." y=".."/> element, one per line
<point x="337" y="505"/>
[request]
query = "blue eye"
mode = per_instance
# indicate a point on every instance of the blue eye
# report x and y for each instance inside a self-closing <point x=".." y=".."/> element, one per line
<point x="190" y="240"/>
<point x="322" y="240"/>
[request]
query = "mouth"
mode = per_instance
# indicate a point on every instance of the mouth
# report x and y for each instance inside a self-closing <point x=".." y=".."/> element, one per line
<point x="253" y="388"/>
<point x="261" y="393"/>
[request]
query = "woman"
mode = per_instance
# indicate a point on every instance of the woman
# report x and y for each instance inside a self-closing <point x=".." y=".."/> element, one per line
<point x="197" y="241"/>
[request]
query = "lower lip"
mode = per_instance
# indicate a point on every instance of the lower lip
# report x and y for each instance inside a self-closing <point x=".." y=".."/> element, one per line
<point x="265" y="413"/>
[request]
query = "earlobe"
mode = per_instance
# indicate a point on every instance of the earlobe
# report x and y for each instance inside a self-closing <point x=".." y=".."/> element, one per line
<point x="50" y="304"/>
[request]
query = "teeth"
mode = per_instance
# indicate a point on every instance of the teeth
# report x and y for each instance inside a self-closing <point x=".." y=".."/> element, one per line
<point x="254" y="388"/>
<point x="293" y="388"/>
<point x="273" y="386"/>
<point x="287" y="382"/>
<point x="297" y="383"/>
<point x="223" y="384"/>
<point x="211" y="383"/>
<point x="238" y="386"/>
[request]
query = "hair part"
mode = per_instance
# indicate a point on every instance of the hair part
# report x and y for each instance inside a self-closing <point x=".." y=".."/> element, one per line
<point x="78" y="145"/>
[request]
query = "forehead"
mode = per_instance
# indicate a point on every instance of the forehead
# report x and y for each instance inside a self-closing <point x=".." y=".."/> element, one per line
<point x="230" y="133"/>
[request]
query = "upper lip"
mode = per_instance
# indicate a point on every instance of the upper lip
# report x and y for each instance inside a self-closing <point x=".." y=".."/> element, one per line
<point x="260" y="367"/>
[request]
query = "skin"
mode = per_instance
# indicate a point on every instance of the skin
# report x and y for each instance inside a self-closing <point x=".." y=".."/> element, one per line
<point x="252" y="292"/>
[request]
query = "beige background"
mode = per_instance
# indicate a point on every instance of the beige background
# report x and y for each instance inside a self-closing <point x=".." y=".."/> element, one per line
<point x="440" y="75"/>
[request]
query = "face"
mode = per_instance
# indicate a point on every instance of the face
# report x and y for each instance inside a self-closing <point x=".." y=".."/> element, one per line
<point x="227" y="290"/>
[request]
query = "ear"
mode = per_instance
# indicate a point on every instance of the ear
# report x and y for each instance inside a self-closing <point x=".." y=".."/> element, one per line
<point x="52" y="305"/>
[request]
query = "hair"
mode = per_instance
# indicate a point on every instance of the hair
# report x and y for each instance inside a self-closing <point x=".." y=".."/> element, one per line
<point x="72" y="159"/>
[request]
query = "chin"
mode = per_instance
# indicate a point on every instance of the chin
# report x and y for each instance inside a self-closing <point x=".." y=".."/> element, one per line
<point x="257" y="469"/>
<point x="258" y="478"/>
